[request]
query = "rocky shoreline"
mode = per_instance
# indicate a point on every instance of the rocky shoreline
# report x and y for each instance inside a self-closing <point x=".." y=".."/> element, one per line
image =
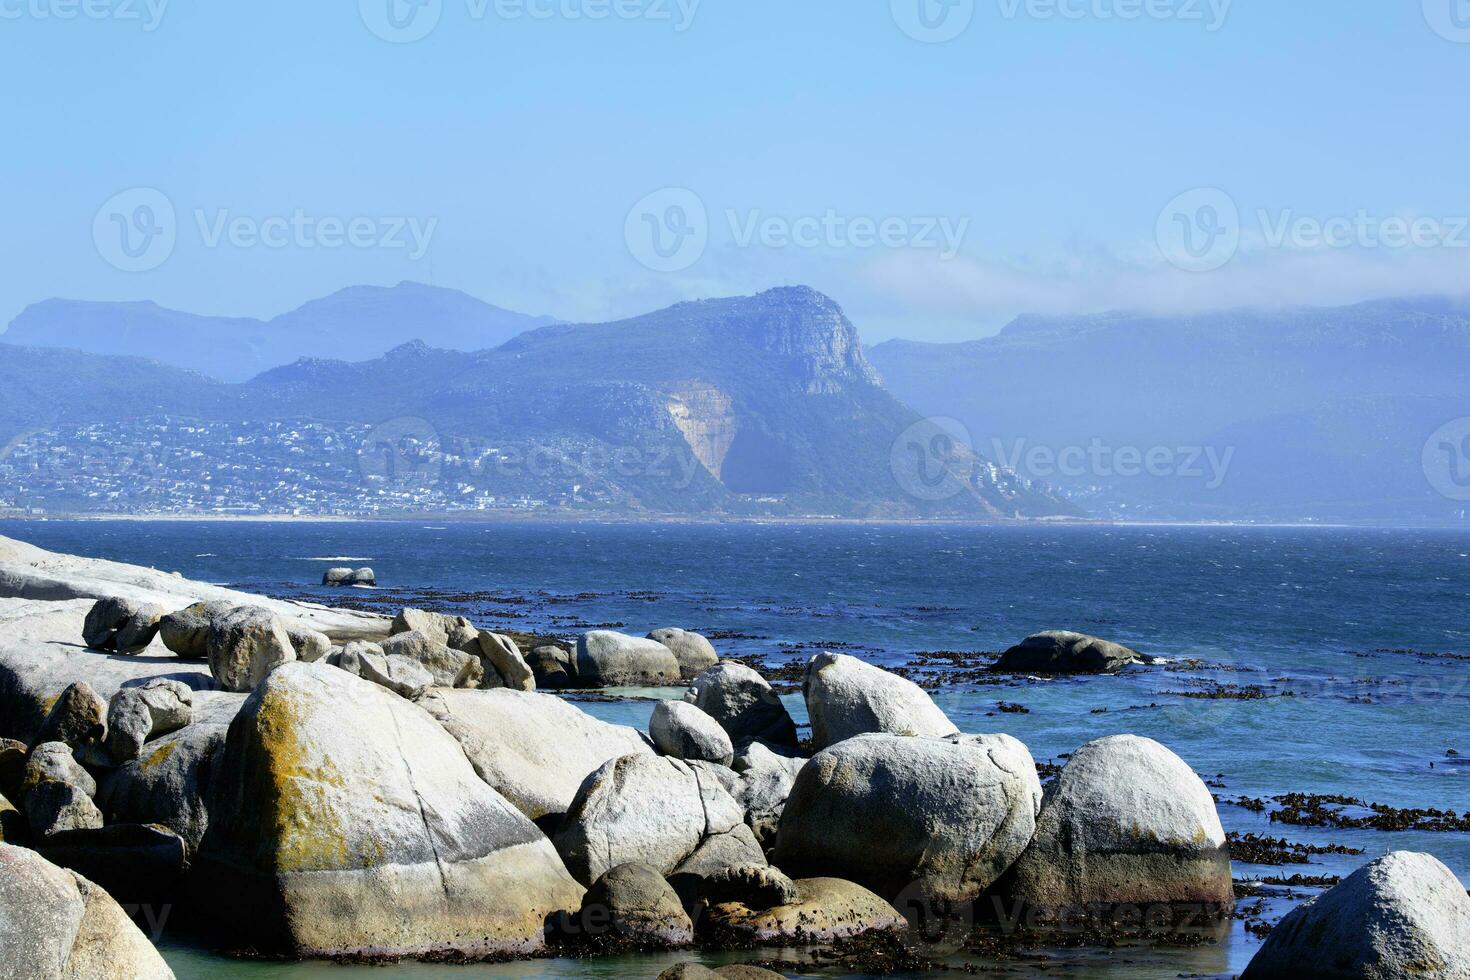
<point x="312" y="782"/>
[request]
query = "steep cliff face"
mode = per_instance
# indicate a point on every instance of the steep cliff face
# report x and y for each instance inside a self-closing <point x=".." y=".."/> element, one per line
<point x="810" y="330"/>
<point x="706" y="417"/>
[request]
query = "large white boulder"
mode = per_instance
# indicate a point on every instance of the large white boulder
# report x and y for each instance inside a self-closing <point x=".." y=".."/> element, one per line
<point x="681" y="730"/>
<point x="344" y="796"/>
<point x="245" y="645"/>
<point x="694" y="651"/>
<point x="932" y="817"/>
<point x="1404" y="916"/>
<point x="609" y="659"/>
<point x="1126" y="822"/>
<point x="644" y="809"/>
<point x="57" y="925"/>
<point x="533" y="749"/>
<point x="847" y="697"/>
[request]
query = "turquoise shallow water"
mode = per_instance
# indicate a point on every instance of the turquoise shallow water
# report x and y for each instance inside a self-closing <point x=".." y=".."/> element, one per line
<point x="1342" y="619"/>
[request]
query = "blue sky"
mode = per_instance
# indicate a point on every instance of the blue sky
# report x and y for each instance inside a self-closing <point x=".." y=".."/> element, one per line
<point x="1028" y="164"/>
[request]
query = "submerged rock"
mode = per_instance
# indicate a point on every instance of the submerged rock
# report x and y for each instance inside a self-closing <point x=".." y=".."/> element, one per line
<point x="1126" y="822"/>
<point x="693" y="651"/>
<point x="847" y="697"/>
<point x="609" y="659"/>
<point x="245" y="645"/>
<point x="1404" y="916"/>
<point x="533" y="749"/>
<point x="735" y="971"/>
<point x="827" y="909"/>
<point x="1065" y="652"/>
<point x="743" y="704"/>
<point x="60" y="926"/>
<point x="942" y="818"/>
<point x="344" y="796"/>
<point x="683" y="731"/>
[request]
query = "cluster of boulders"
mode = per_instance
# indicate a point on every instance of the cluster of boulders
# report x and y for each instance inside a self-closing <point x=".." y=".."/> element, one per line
<point x="349" y="576"/>
<point x="412" y="793"/>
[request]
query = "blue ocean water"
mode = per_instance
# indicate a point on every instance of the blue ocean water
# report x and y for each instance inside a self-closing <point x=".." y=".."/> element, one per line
<point x="1357" y="639"/>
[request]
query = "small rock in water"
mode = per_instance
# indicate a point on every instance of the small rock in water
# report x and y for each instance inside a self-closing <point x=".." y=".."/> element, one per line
<point x="1065" y="652"/>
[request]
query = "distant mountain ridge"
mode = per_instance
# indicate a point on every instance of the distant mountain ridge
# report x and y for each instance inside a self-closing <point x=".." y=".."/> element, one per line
<point x="750" y="405"/>
<point x="356" y="323"/>
<point x="1326" y="410"/>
